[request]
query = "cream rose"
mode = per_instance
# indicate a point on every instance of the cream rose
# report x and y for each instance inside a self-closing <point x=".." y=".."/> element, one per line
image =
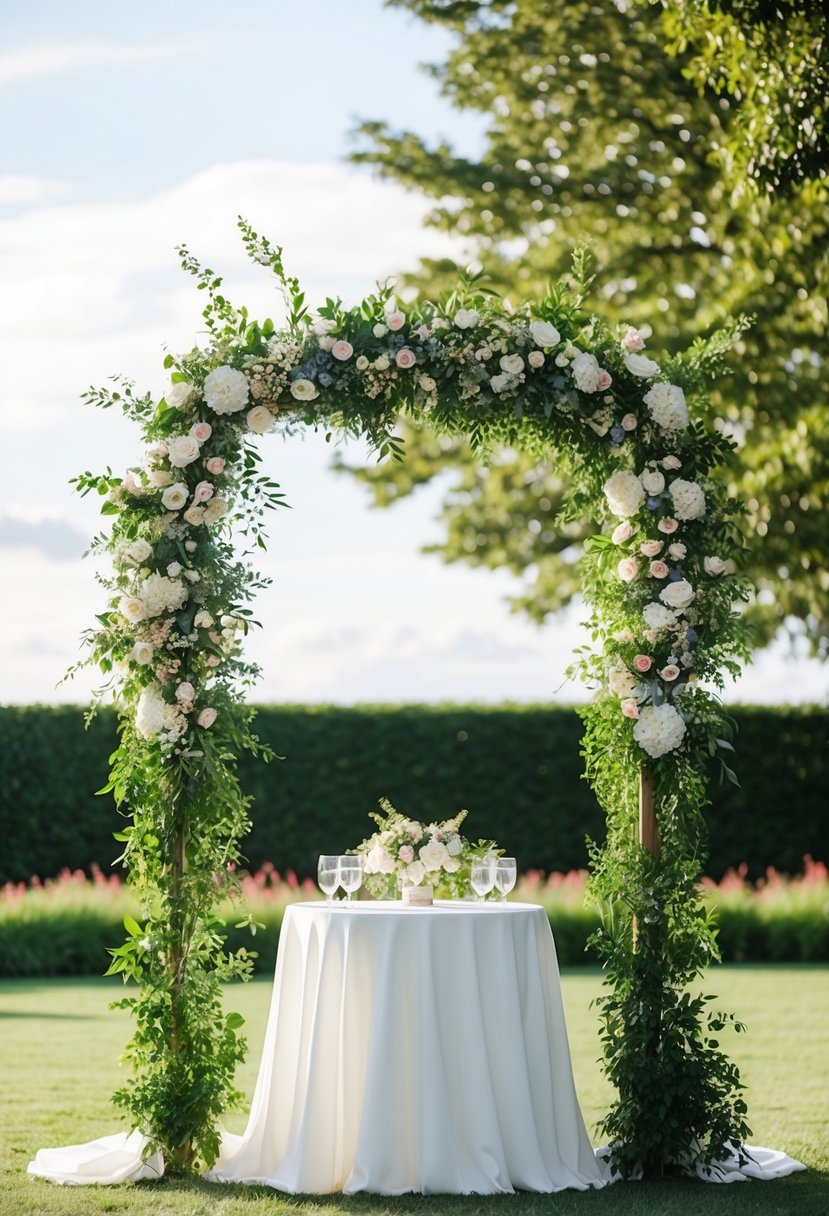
<point x="641" y="366"/>
<point x="260" y="419"/>
<point x="678" y="595"/>
<point x="214" y="510"/>
<point x="178" y="394"/>
<point x="714" y="565"/>
<point x="132" y="609"/>
<point x="544" y="333"/>
<point x="466" y="318"/>
<point x="653" y="481"/>
<point x="536" y="358"/>
<point x="183" y="450"/>
<point x="512" y="364"/>
<point x="304" y="390"/>
<point x="142" y="652"/>
<point x="175" y="496"/>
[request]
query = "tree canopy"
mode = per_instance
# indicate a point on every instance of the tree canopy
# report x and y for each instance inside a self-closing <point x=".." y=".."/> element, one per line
<point x="596" y="130"/>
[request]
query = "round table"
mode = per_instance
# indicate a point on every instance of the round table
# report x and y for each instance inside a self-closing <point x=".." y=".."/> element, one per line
<point x="414" y="1049"/>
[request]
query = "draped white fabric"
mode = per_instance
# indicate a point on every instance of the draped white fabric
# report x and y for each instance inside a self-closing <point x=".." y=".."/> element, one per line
<point x="406" y="1050"/>
<point x="415" y="1050"/>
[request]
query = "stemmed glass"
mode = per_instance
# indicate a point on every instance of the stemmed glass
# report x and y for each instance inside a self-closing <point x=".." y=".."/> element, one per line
<point x="482" y="876"/>
<point x="351" y="873"/>
<point x="328" y="875"/>
<point x="506" y="872"/>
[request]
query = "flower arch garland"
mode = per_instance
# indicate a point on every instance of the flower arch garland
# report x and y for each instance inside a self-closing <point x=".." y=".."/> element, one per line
<point x="660" y="579"/>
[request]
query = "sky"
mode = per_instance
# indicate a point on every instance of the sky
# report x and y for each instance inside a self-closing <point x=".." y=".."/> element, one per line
<point x="126" y="131"/>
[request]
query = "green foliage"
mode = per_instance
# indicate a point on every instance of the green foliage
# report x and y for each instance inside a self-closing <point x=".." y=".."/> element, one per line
<point x="594" y="132"/>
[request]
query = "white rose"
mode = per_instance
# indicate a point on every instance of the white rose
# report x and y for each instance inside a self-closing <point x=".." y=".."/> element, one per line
<point x="666" y="403"/>
<point x="323" y="325"/>
<point x="158" y="478"/>
<point x="678" y="595"/>
<point x="304" y="390"/>
<point x="544" y="333"/>
<point x="466" y="318"/>
<point x="433" y="855"/>
<point x="714" y="565"/>
<point x="380" y="331"/>
<point x="138" y="550"/>
<point x="381" y="363"/>
<point x="586" y="372"/>
<point x="659" y="729"/>
<point x="536" y="358"/>
<point x="379" y="861"/>
<point x="226" y="390"/>
<point x="640" y="365"/>
<point x="688" y="499"/>
<point x="415" y="872"/>
<point x="621" y="681"/>
<point x="153" y="714"/>
<point x="178" y="394"/>
<point x="454" y="846"/>
<point x="214" y="510"/>
<point x="657" y="616"/>
<point x="183" y="450"/>
<point x="142" y="652"/>
<point x="326" y="342"/>
<point x="174" y="569"/>
<point x="513" y="364"/>
<point x="427" y="384"/>
<point x="624" y="493"/>
<point x="175" y="496"/>
<point x="653" y="481"/>
<point x="131" y="607"/>
<point x="259" y="419"/>
<point x="361" y="363"/>
<point x="499" y="383"/>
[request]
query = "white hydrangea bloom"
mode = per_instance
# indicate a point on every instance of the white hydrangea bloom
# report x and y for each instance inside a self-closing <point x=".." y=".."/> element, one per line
<point x="624" y="493"/>
<point x="657" y="616"/>
<point x="586" y="371"/>
<point x="226" y="390"/>
<point x="162" y="594"/>
<point x="688" y="499"/>
<point x="153" y="714"/>
<point x="659" y="729"/>
<point x="666" y="403"/>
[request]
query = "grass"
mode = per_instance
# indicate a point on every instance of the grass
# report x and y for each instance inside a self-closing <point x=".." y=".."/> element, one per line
<point x="59" y="1046"/>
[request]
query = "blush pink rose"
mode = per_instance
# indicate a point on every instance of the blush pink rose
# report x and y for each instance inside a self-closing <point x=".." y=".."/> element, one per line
<point x="659" y="570"/>
<point x="605" y="380"/>
<point x="536" y="358"/>
<point x="621" y="533"/>
<point x="395" y="320"/>
<point x="405" y="358"/>
<point x="406" y="853"/>
<point x="342" y="350"/>
<point x="194" y="515"/>
<point x="670" y="672"/>
<point x="185" y="691"/>
<point x="207" y="717"/>
<point x="423" y="332"/>
<point x="671" y="462"/>
<point x="215" y="465"/>
<point x="203" y="492"/>
<point x="132" y="484"/>
<point x="628" y="569"/>
<point x="667" y="525"/>
<point x="650" y="548"/>
<point x="632" y="340"/>
<point x="212" y="660"/>
<point x="677" y="550"/>
<point x="201" y="431"/>
<point x="629" y="708"/>
<point x="630" y="422"/>
<point x="642" y="663"/>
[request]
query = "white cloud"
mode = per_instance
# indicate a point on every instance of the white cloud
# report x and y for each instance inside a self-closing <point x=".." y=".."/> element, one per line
<point x="17" y="190"/>
<point x="50" y="58"/>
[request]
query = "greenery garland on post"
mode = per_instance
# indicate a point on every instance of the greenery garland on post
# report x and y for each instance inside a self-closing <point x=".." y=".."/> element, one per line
<point x="661" y="580"/>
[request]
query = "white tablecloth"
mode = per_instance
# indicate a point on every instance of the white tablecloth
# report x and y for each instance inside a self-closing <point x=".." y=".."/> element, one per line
<point x="414" y="1050"/>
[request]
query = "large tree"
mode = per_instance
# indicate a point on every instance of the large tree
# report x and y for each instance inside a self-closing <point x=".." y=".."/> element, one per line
<point x="595" y="133"/>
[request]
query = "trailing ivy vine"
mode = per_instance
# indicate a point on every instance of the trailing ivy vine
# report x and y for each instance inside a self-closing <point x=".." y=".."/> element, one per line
<point x="662" y="581"/>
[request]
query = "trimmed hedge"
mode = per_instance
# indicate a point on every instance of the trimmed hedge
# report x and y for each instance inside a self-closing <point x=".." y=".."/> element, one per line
<point x="516" y="768"/>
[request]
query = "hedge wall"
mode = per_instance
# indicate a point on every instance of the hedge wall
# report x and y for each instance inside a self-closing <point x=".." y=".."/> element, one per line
<point x="516" y="768"/>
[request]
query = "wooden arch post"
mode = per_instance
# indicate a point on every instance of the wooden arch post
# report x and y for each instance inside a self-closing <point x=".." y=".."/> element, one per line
<point x="648" y="829"/>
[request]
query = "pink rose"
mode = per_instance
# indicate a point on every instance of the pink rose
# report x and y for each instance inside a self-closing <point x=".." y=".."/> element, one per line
<point x="632" y="340"/>
<point x="670" y="672"/>
<point x="423" y="332"/>
<point x="201" y="431"/>
<point x="207" y="717"/>
<point x="203" y="492"/>
<point x="212" y="660"/>
<point x="650" y="548"/>
<point x="621" y="533"/>
<point x="132" y="484"/>
<point x="536" y="358"/>
<point x="194" y="515"/>
<point x="202" y="619"/>
<point x="342" y="350"/>
<point x="406" y="853"/>
<point x="629" y="708"/>
<point x="605" y="380"/>
<point x="215" y="465"/>
<point x="405" y="358"/>
<point x="630" y="422"/>
<point x="659" y="570"/>
<point x="667" y="525"/>
<point x="395" y="320"/>
<point x="628" y="569"/>
<point x="642" y="663"/>
<point x="671" y="462"/>
<point x="677" y="550"/>
<point x="185" y="691"/>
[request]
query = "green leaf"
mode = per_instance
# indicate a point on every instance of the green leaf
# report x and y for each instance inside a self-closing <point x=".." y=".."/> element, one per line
<point x="234" y="1021"/>
<point x="132" y="926"/>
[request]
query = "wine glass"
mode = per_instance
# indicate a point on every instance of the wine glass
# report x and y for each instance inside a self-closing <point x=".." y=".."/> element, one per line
<point x="351" y="873"/>
<point x="482" y="876"/>
<point x="328" y="875"/>
<point x="506" y="872"/>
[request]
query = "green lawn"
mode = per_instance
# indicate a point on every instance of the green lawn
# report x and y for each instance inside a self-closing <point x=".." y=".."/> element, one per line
<point x="58" y="1066"/>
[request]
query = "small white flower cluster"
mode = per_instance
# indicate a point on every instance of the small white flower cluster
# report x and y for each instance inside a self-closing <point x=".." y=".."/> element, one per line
<point x="666" y="403"/>
<point x="659" y="729"/>
<point x="624" y="492"/>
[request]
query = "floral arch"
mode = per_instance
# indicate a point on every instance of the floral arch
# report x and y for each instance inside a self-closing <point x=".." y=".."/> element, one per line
<point x="660" y="580"/>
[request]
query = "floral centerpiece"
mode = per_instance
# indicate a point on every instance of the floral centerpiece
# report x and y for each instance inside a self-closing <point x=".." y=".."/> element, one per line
<point x="403" y="852"/>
